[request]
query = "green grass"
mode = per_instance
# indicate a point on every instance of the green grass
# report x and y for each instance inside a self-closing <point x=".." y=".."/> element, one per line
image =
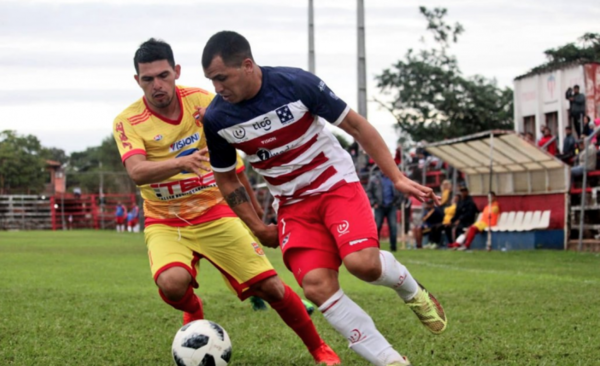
<point x="87" y="298"/>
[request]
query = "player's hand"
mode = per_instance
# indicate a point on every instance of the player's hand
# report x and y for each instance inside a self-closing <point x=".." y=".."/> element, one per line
<point x="416" y="190"/>
<point x="269" y="236"/>
<point x="197" y="162"/>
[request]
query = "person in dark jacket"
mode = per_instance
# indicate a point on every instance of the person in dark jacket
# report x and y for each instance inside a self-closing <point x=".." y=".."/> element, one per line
<point x="385" y="200"/>
<point x="466" y="212"/>
<point x="576" y="108"/>
<point x="569" y="147"/>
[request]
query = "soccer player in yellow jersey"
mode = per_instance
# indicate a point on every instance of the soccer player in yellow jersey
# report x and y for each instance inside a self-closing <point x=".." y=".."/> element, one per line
<point x="163" y="147"/>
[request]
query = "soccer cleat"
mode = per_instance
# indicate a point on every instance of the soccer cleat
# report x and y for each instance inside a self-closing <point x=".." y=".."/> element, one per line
<point x="428" y="310"/>
<point x="462" y="248"/>
<point x="404" y="362"/>
<point x="310" y="308"/>
<point x="258" y="304"/>
<point x="324" y="355"/>
<point x="190" y="317"/>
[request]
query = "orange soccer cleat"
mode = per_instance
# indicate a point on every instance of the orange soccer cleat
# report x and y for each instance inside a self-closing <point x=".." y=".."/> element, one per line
<point x="324" y="355"/>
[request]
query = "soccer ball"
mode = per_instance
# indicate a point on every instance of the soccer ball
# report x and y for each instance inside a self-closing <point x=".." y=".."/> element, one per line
<point x="201" y="343"/>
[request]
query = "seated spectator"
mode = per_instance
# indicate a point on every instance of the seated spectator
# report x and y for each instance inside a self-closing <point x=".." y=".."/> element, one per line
<point x="529" y="137"/>
<point x="432" y="218"/>
<point x="550" y="147"/>
<point x="466" y="212"/>
<point x="489" y="218"/>
<point x="449" y="213"/>
<point x="569" y="147"/>
<point x="446" y="189"/>
<point x="590" y="151"/>
<point x="588" y="127"/>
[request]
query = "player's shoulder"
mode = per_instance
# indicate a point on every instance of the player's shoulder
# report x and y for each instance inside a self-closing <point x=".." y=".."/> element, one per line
<point x="195" y="95"/>
<point x="135" y="113"/>
<point x="284" y="74"/>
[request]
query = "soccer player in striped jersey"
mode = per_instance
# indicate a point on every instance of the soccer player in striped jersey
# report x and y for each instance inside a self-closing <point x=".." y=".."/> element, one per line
<point x="162" y="144"/>
<point x="324" y="216"/>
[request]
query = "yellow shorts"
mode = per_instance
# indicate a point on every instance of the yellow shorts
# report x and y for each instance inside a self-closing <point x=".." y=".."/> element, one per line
<point x="225" y="242"/>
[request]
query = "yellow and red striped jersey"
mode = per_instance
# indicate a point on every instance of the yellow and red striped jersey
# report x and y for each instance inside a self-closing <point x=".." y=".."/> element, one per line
<point x="184" y="198"/>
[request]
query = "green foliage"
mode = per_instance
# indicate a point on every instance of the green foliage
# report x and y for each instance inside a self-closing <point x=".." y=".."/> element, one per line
<point x="430" y="98"/>
<point x="342" y="140"/>
<point x="87" y="298"/>
<point x="22" y="168"/>
<point x="56" y="154"/>
<point x="589" y="50"/>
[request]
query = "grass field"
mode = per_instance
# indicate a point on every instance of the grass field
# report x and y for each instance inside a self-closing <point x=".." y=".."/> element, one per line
<point x="87" y="298"/>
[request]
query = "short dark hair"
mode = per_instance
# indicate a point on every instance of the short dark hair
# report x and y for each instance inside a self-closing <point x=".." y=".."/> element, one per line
<point x="576" y="86"/>
<point x="231" y="46"/>
<point x="493" y="193"/>
<point x="153" y="50"/>
<point x="568" y="128"/>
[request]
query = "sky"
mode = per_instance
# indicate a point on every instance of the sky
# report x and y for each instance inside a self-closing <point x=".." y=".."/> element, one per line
<point x="67" y="65"/>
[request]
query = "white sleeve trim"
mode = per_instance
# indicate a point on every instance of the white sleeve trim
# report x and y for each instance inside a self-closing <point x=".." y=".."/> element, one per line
<point x="342" y="116"/>
<point x="224" y="170"/>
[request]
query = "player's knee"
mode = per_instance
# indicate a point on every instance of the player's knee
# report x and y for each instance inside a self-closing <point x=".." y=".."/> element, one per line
<point x="270" y="289"/>
<point x="174" y="282"/>
<point x="364" y="264"/>
<point x="320" y="285"/>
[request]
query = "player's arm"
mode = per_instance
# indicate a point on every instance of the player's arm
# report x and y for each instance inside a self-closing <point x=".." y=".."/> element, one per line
<point x="372" y="142"/>
<point x="244" y="180"/>
<point x="238" y="199"/>
<point x="143" y="171"/>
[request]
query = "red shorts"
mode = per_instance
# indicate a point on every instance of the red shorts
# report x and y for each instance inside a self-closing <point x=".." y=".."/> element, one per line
<point x="120" y="220"/>
<point x="132" y="222"/>
<point x="320" y="231"/>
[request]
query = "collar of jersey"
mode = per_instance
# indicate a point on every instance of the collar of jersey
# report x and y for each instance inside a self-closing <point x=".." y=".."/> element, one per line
<point x="165" y="119"/>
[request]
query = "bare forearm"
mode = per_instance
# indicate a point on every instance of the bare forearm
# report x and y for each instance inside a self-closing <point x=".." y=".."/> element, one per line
<point x="146" y="172"/>
<point x="238" y="199"/>
<point x="244" y="180"/>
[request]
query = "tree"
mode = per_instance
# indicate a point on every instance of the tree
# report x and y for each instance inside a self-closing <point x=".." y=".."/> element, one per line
<point x="22" y="169"/>
<point x="56" y="154"/>
<point x="430" y="98"/>
<point x="571" y="52"/>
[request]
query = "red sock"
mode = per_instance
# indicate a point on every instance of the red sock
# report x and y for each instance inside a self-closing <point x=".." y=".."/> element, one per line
<point x="473" y="230"/>
<point x="292" y="311"/>
<point x="190" y="302"/>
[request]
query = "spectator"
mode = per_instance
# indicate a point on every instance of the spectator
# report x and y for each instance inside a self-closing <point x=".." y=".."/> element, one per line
<point x="590" y="151"/>
<point x="446" y="189"/>
<point x="466" y="212"/>
<point x="529" y="137"/>
<point x="569" y="147"/>
<point x="449" y="213"/>
<point x="432" y="218"/>
<point x="385" y="200"/>
<point x="489" y="218"/>
<point x="576" y="108"/>
<point x="77" y="192"/>
<point x="545" y="140"/>
<point x="120" y="215"/>
<point x="132" y="219"/>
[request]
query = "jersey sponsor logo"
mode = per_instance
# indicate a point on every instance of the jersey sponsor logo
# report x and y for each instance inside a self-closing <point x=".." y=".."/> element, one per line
<point x="178" y="145"/>
<point x="263" y="154"/>
<point x="284" y="114"/>
<point x="186" y="153"/>
<point x="180" y="188"/>
<point x="263" y="142"/>
<point x="239" y="133"/>
<point x="257" y="249"/>
<point x="321" y="85"/>
<point x="157" y="137"/>
<point x="333" y="96"/>
<point x="264" y="124"/>
<point x="356" y="336"/>
<point x="343" y="228"/>
<point x="354" y="242"/>
<point x="122" y="136"/>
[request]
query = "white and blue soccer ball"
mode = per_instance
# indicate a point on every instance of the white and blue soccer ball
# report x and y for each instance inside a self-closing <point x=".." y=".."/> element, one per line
<point x="201" y="343"/>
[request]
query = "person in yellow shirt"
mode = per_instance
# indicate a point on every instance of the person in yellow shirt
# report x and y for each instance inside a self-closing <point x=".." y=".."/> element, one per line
<point x="489" y="218"/>
<point x="449" y="213"/>
<point x="446" y="189"/>
<point x="162" y="145"/>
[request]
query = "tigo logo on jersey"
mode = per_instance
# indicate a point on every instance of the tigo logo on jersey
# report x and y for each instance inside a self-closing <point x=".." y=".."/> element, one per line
<point x="178" y="145"/>
<point x="284" y="114"/>
<point x="343" y="228"/>
<point x="239" y="133"/>
<point x="265" y="123"/>
<point x="157" y="137"/>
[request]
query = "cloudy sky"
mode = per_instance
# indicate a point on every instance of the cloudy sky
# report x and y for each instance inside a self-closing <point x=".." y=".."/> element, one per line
<point x="67" y="67"/>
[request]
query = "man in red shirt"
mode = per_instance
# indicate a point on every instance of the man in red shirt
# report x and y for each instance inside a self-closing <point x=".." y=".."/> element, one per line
<point x="551" y="148"/>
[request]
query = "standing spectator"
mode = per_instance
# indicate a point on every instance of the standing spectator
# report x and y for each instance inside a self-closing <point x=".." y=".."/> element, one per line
<point x="449" y="213"/>
<point x="133" y="218"/>
<point x="466" y="212"/>
<point x="576" y="108"/>
<point x="489" y="218"/>
<point x="120" y="216"/>
<point x="385" y="200"/>
<point x="430" y="224"/>
<point x="569" y="147"/>
<point x="446" y="188"/>
<point x="550" y="147"/>
<point x="590" y="151"/>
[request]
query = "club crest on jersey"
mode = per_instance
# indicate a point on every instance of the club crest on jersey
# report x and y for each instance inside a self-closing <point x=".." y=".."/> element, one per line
<point x="343" y="228"/>
<point x="239" y="133"/>
<point x="157" y="137"/>
<point x="258" y="249"/>
<point x="178" y="145"/>
<point x="284" y="114"/>
<point x="197" y="119"/>
<point x="285" y="240"/>
<point x="263" y="154"/>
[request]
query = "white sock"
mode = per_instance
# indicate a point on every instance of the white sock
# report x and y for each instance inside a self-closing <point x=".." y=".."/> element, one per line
<point x="396" y="276"/>
<point x="357" y="326"/>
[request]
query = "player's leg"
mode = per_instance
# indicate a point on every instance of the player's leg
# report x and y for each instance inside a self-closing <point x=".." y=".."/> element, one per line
<point x="359" y="250"/>
<point x="236" y="253"/>
<point x="317" y="272"/>
<point x="471" y="233"/>
<point x="174" y="267"/>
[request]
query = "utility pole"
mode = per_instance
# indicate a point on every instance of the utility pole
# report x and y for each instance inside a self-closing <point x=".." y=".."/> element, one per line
<point x="311" y="37"/>
<point x="362" y="73"/>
